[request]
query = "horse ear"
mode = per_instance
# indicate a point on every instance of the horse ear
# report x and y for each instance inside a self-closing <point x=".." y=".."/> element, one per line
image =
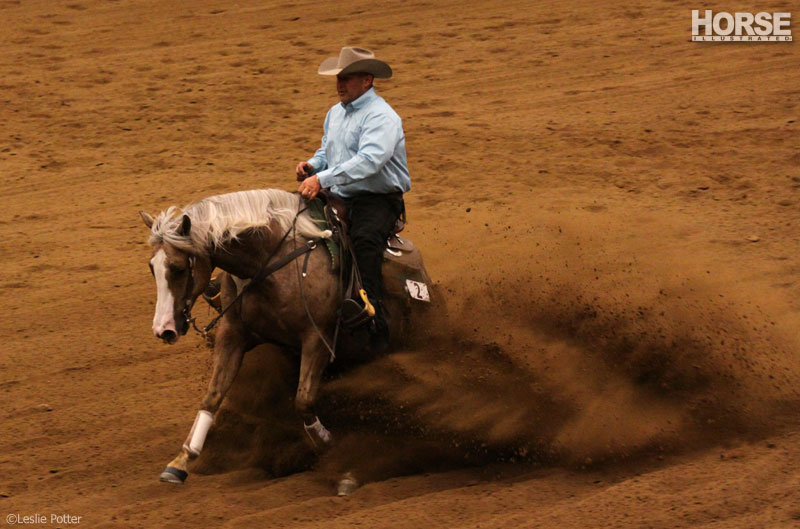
<point x="147" y="218"/>
<point x="185" y="227"/>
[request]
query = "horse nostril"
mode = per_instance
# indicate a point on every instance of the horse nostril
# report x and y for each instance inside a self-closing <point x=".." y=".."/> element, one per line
<point x="169" y="336"/>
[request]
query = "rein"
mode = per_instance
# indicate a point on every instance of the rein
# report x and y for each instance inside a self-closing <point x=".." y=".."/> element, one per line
<point x="267" y="270"/>
<point x="331" y="348"/>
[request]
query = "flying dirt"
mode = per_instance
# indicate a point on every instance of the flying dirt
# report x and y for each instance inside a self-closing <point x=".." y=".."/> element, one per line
<point x="609" y="209"/>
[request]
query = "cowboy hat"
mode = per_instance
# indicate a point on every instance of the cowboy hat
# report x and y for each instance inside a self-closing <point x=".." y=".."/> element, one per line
<point x="355" y="60"/>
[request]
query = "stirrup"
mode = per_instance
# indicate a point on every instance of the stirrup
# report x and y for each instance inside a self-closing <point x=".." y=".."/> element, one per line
<point x="354" y="315"/>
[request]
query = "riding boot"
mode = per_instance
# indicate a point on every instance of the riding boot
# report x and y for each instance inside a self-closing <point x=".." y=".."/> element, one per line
<point x="379" y="331"/>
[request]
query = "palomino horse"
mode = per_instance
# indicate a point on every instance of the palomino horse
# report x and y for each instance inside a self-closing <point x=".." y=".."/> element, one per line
<point x="239" y="233"/>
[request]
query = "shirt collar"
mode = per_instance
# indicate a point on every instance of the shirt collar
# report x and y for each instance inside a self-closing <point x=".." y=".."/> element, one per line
<point x="362" y="101"/>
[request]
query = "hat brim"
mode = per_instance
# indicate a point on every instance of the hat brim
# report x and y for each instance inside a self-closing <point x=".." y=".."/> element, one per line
<point x="376" y="67"/>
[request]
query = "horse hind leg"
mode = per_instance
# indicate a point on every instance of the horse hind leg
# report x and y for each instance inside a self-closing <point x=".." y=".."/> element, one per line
<point x="347" y="484"/>
<point x="229" y="350"/>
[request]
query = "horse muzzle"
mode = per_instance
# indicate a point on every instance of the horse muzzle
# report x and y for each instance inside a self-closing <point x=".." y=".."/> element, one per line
<point x="168" y="336"/>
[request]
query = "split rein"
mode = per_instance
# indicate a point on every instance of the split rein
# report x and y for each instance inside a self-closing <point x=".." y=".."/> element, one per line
<point x="267" y="270"/>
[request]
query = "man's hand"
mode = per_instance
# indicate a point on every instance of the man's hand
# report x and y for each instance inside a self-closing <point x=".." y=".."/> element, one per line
<point x="310" y="187"/>
<point x="304" y="170"/>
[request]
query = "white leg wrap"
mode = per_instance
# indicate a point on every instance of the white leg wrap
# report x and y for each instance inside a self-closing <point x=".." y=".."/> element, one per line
<point x="197" y="437"/>
<point x="317" y="432"/>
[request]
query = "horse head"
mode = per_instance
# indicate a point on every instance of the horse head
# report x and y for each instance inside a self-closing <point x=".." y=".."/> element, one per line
<point x="181" y="273"/>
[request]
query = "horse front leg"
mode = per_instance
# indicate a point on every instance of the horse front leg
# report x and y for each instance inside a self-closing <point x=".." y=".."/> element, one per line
<point x="313" y="361"/>
<point x="229" y="348"/>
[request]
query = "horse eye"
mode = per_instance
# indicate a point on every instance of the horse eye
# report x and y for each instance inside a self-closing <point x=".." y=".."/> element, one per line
<point x="176" y="271"/>
<point x="152" y="270"/>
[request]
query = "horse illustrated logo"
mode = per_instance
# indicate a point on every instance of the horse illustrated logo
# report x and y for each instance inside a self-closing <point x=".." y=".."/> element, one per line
<point x="740" y="27"/>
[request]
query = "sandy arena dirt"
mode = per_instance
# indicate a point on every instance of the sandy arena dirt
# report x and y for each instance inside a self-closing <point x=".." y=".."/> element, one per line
<point x="611" y="210"/>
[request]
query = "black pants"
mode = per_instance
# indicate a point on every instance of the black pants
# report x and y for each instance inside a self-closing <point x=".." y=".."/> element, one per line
<point x="372" y="218"/>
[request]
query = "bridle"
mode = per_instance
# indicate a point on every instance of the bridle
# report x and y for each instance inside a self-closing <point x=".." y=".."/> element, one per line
<point x="189" y="300"/>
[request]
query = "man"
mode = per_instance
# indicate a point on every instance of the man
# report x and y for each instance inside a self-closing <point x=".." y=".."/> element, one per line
<point x="362" y="159"/>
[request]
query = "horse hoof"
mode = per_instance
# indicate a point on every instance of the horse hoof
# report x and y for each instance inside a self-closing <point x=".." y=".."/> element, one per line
<point x="173" y="475"/>
<point x="347" y="485"/>
<point x="320" y="436"/>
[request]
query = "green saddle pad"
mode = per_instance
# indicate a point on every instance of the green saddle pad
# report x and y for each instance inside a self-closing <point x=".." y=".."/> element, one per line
<point x="316" y="210"/>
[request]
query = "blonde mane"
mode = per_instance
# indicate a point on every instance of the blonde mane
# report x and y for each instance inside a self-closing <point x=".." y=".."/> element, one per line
<point x="221" y="218"/>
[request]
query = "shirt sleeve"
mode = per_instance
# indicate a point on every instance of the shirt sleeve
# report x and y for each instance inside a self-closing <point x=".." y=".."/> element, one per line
<point x="379" y="137"/>
<point x="320" y="160"/>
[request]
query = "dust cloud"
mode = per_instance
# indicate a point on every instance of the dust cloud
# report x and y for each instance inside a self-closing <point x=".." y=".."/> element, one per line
<point x="582" y="347"/>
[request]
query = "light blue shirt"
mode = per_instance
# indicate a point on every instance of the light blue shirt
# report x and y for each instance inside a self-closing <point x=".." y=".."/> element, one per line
<point x="363" y="149"/>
